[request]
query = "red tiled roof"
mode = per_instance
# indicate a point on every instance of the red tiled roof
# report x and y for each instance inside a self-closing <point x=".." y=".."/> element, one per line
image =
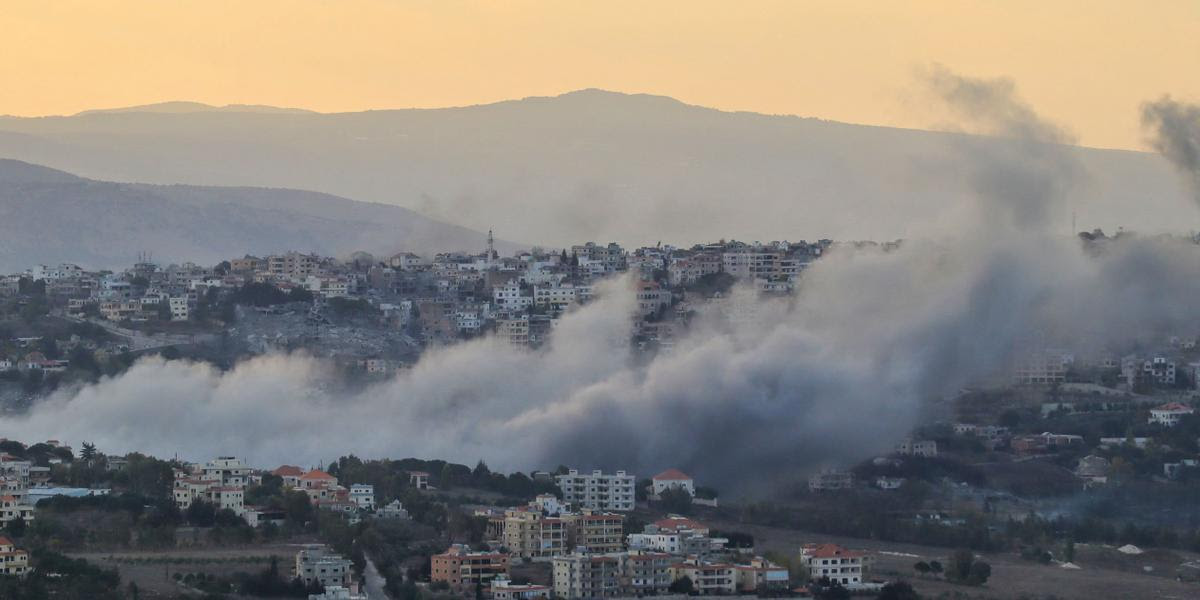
<point x="831" y="551"/>
<point x="1174" y="407"/>
<point x="5" y="541"/>
<point x="316" y="474"/>
<point x="288" y="471"/>
<point x="672" y="475"/>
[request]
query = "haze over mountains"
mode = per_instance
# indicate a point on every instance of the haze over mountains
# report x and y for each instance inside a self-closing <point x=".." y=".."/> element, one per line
<point x="589" y="165"/>
<point x="49" y="216"/>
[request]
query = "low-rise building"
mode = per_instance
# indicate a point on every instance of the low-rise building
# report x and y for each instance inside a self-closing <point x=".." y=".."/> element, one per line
<point x="673" y="479"/>
<point x="708" y="578"/>
<point x="831" y="479"/>
<point x="13" y="560"/>
<point x="1169" y="414"/>
<point x="504" y="589"/>
<point x="363" y="495"/>
<point x="317" y="563"/>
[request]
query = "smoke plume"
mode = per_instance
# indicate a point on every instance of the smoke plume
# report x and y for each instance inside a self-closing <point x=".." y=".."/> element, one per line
<point x="1175" y="133"/>
<point x="761" y="392"/>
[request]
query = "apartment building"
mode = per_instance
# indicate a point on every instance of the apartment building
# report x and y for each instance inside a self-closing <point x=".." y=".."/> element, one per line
<point x="227" y="470"/>
<point x="13" y="508"/>
<point x="317" y="563"/>
<point x="530" y="534"/>
<point x="464" y="570"/>
<point x="598" y="491"/>
<point x="846" y="567"/>
<point x="645" y="573"/>
<point x="585" y="576"/>
<point x="761" y="574"/>
<point x="708" y="578"/>
<point x="595" y="532"/>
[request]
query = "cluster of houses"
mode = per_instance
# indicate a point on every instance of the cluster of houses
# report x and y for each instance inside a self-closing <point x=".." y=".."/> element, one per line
<point x="437" y="299"/>
<point x="222" y="483"/>
<point x="582" y="536"/>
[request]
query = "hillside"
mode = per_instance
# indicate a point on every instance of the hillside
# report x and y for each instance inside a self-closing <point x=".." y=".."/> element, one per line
<point x="48" y="216"/>
<point x="588" y="165"/>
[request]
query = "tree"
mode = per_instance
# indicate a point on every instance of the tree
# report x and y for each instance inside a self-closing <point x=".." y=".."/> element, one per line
<point x="922" y="567"/>
<point x="935" y="567"/>
<point x="16" y="527"/>
<point x="201" y="514"/>
<point x="898" y="590"/>
<point x="675" y="500"/>
<point x="683" y="585"/>
<point x="88" y="453"/>
<point x="980" y="572"/>
<point x="960" y="565"/>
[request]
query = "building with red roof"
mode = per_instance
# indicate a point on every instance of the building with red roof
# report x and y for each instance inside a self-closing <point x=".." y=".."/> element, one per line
<point x="1169" y="414"/>
<point x="13" y="560"/>
<point x="673" y="479"/>
<point x="842" y="566"/>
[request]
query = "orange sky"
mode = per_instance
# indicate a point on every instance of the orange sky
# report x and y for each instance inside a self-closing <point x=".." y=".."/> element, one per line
<point x="1087" y="65"/>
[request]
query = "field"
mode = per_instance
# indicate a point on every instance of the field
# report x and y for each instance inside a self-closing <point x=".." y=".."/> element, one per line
<point x="1104" y="572"/>
<point x="154" y="571"/>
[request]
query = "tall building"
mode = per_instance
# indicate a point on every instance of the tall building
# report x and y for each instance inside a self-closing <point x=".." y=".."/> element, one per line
<point x="598" y="491"/>
<point x="584" y="576"/>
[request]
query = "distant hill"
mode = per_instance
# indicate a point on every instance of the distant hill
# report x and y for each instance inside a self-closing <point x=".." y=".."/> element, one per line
<point x="48" y="216"/>
<point x="588" y="165"/>
<point x="178" y="107"/>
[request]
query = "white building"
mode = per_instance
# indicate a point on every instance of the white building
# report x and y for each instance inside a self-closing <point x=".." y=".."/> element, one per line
<point x="598" y="491"/>
<point x="845" y="567"/>
<point x="673" y="479"/>
<point x="316" y="562"/>
<point x="911" y="447"/>
<point x="1168" y="415"/>
<point x="363" y="495"/>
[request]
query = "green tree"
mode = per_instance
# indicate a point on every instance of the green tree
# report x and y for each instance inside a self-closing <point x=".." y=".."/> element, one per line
<point x="922" y="567"/>
<point x="898" y="590"/>
<point x="683" y="585"/>
<point x="980" y="572"/>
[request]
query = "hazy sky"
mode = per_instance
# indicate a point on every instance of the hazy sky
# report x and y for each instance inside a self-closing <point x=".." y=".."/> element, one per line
<point x="1085" y="64"/>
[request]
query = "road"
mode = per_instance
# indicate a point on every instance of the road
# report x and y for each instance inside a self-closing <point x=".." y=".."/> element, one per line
<point x="373" y="582"/>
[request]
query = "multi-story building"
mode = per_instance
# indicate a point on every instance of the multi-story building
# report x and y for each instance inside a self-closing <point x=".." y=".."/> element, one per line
<point x="912" y="447"/>
<point x="831" y="479"/>
<point x="595" y="532"/>
<point x="708" y="578"/>
<point x="673" y="479"/>
<point x="227" y="470"/>
<point x="317" y="563"/>
<point x="13" y="508"/>
<point x="464" y="570"/>
<point x="597" y="490"/>
<point x="530" y="534"/>
<point x="645" y="573"/>
<point x="585" y="576"/>
<point x="13" y="560"/>
<point x="363" y="495"/>
<point x="761" y="574"/>
<point x="504" y="589"/>
<point x="842" y="566"/>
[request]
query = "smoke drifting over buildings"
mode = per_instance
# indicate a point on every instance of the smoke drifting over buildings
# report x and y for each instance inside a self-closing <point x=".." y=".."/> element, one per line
<point x="836" y="374"/>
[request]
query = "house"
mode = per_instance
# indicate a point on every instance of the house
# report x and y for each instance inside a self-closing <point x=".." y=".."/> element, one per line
<point x="318" y="484"/>
<point x="597" y="490"/>
<point x="392" y="510"/>
<point x="673" y="479"/>
<point x="13" y="560"/>
<point x="290" y="475"/>
<point x="1169" y="414"/>
<point x="911" y="447"/>
<point x="845" y="567"/>
<point x="464" y="570"/>
<point x="13" y="508"/>
<point x="831" y="479"/>
<point x="1093" y="469"/>
<point x="418" y="479"/>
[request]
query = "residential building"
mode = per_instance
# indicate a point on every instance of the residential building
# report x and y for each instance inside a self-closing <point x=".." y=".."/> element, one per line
<point x="584" y="576"/>
<point x="597" y="490"/>
<point x="708" y="578"/>
<point x="761" y="574"/>
<point x="363" y="495"/>
<point x="594" y="531"/>
<point x="317" y="563"/>
<point x="13" y="508"/>
<point x="531" y="534"/>
<point x="845" y="567"/>
<point x="645" y="573"/>
<point x="911" y="447"/>
<point x="13" y="560"/>
<point x="1168" y="415"/>
<point x="831" y="479"/>
<point x="504" y="589"/>
<point x="673" y="479"/>
<point x="464" y="570"/>
<point x="418" y="479"/>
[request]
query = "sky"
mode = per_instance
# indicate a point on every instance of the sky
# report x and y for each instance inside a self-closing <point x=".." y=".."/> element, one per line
<point x="1087" y="65"/>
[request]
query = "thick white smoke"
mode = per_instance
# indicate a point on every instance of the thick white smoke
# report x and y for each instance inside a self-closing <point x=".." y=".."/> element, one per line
<point x="760" y="392"/>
